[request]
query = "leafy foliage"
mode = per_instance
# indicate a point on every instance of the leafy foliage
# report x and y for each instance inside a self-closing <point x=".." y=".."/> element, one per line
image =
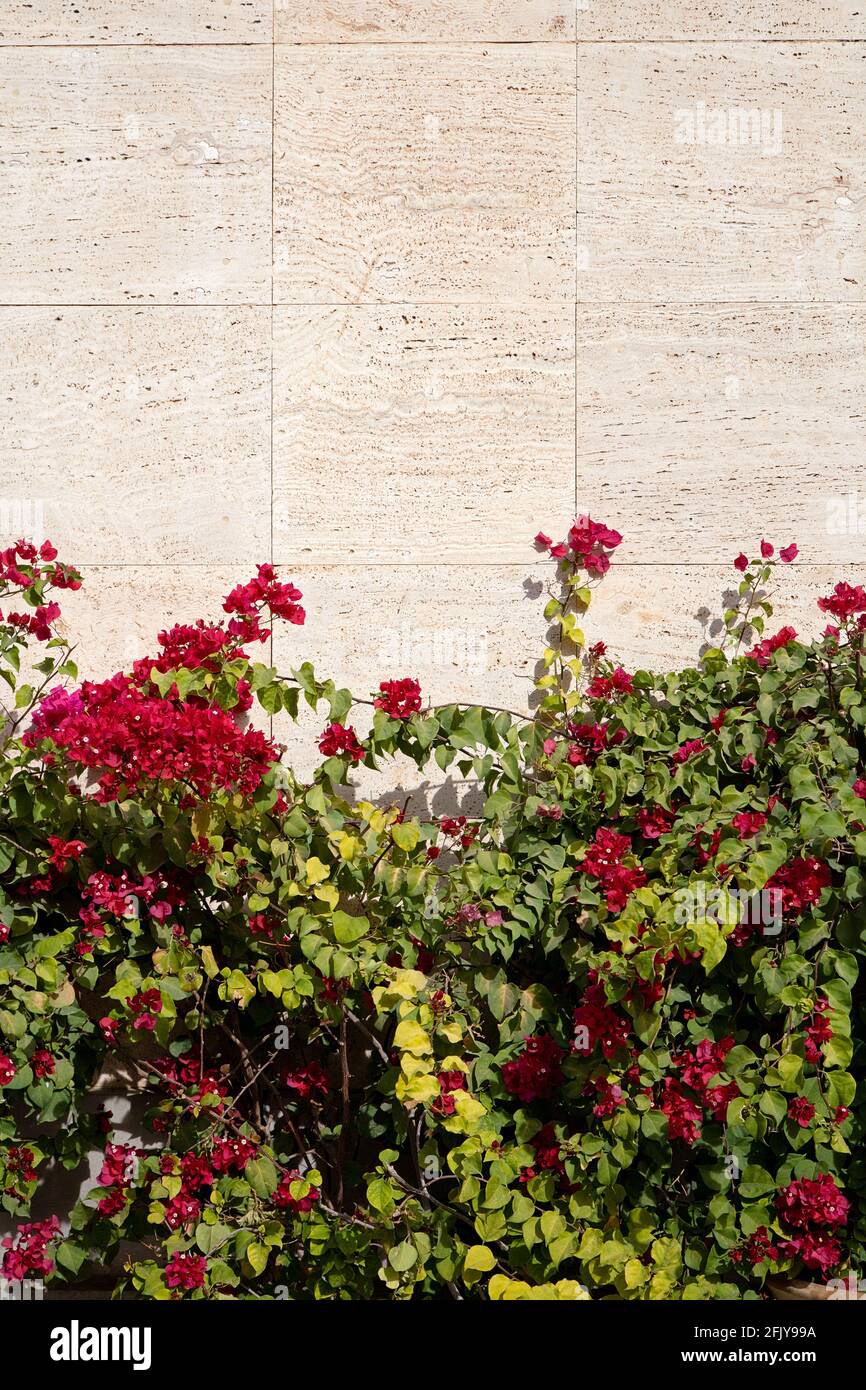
<point x="604" y="1038"/>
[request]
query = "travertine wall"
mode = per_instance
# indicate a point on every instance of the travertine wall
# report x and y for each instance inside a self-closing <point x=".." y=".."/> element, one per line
<point x="306" y="283"/>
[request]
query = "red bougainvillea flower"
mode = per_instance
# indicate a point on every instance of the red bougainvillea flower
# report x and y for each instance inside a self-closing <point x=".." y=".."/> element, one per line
<point x="654" y="821"/>
<point x="231" y="1155"/>
<point x="136" y="739"/>
<point x="21" y="1162"/>
<point x="691" y="749"/>
<point x="813" y="1202"/>
<point x="699" y="1067"/>
<point x="449" y="1082"/>
<point x="586" y="535"/>
<point x="113" y="1202"/>
<point x="308" y="1081"/>
<point x="181" y="1210"/>
<point x="748" y="823"/>
<point x="788" y="554"/>
<point x="610" y="1097"/>
<point x="117" y="1164"/>
<point x="42" y="1062"/>
<point x="109" y="1028"/>
<point x="547" y="1147"/>
<point x="26" y="1255"/>
<point x="718" y="1098"/>
<point x="339" y="742"/>
<point x="195" y="1171"/>
<point x="801" y="882"/>
<point x="859" y="788"/>
<point x="588" y="544"/>
<point x="766" y="550"/>
<point x="844" y="602"/>
<point x="457" y="828"/>
<point x="186" y="1271"/>
<point x="597" y="1023"/>
<point x="801" y="1111"/>
<point x="265" y="591"/>
<point x="619" y="682"/>
<point x="741" y="563"/>
<point x="762" y="651"/>
<point x="38" y="623"/>
<point x="146" y="1004"/>
<point x="536" y="1072"/>
<point x="818" y="1033"/>
<point x="684" y="1116"/>
<point x="758" y="1247"/>
<point x="815" y="1250"/>
<point x="8" y="1070"/>
<point x="201" y="646"/>
<point x="589" y="742"/>
<point x="603" y="862"/>
<point x="65" y="852"/>
<point x="400" y="699"/>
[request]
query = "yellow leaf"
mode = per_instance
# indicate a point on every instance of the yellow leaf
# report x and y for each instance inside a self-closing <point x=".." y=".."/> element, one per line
<point x="315" y="870"/>
<point x="410" y="1037"/>
<point x="453" y="1064"/>
<point x="417" y="1090"/>
<point x="208" y="960"/>
<point x="407" y="983"/>
<point x="479" y="1258"/>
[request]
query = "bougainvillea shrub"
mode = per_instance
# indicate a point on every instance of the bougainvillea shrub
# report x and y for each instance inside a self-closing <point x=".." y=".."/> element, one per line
<point x="602" y="1037"/>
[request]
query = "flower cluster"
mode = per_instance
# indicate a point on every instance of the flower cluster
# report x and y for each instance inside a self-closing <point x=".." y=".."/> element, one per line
<point x="340" y="742"/>
<point x="134" y="740"/>
<point x="698" y="1067"/>
<point x="27" y="1251"/>
<point x="265" y="592"/>
<point x="812" y="1208"/>
<point x="845" y="602"/>
<point x="536" y="1072"/>
<point x="800" y="883"/>
<point x="400" y="699"/>
<point x="588" y="545"/>
<point x="596" y="1023"/>
<point x="603" y="862"/>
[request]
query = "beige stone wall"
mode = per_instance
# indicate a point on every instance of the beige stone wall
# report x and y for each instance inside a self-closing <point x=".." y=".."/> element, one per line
<point x="303" y="280"/>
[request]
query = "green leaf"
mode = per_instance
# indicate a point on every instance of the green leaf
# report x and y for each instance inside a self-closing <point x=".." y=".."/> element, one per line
<point x="755" y="1182"/>
<point x="403" y="1256"/>
<point x="210" y="1238"/>
<point x="405" y="835"/>
<point x="261" y="1175"/>
<point x="257" y="1255"/>
<point x="348" y="929"/>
